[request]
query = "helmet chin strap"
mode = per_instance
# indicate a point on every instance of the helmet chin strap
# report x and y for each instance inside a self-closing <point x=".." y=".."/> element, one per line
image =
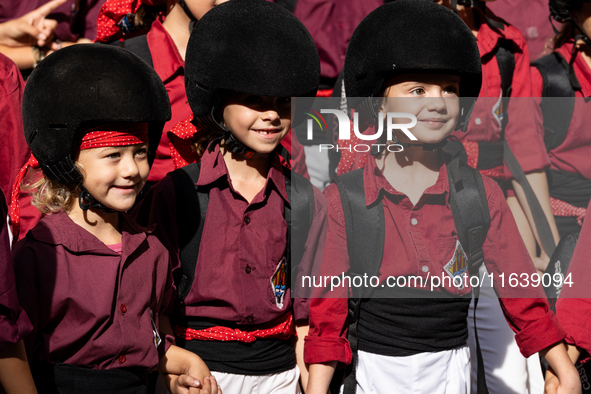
<point x="231" y="143"/>
<point x="185" y="8"/>
<point x="86" y="201"/>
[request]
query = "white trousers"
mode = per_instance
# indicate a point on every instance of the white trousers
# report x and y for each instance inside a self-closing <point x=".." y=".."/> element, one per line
<point x="278" y="383"/>
<point x="507" y="371"/>
<point x="445" y="372"/>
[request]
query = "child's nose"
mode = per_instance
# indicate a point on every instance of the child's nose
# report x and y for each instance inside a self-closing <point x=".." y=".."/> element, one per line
<point x="270" y="115"/>
<point x="130" y="168"/>
<point x="436" y="103"/>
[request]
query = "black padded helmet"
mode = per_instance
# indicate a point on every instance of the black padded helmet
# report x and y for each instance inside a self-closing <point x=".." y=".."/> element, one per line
<point x="248" y="46"/>
<point x="560" y="9"/>
<point x="87" y="85"/>
<point x="393" y="40"/>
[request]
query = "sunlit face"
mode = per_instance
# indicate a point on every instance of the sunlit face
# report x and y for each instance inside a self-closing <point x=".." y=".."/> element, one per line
<point x="114" y="176"/>
<point x="432" y="98"/>
<point x="200" y="7"/>
<point x="259" y="122"/>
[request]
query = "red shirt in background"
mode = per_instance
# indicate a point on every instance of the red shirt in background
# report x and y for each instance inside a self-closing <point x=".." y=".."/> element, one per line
<point x="524" y="131"/>
<point x="14" y="323"/>
<point x="574" y="152"/>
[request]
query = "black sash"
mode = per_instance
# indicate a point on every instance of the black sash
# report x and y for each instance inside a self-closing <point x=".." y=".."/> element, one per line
<point x="70" y="379"/>
<point x="261" y="357"/>
<point x="569" y="187"/>
<point x="407" y="326"/>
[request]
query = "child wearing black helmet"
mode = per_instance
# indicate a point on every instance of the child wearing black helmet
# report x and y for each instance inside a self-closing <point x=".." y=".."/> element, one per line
<point x="415" y="341"/>
<point x="229" y="216"/>
<point x="96" y="285"/>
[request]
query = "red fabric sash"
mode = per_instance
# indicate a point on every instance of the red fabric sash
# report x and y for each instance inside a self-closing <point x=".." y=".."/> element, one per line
<point x="282" y="328"/>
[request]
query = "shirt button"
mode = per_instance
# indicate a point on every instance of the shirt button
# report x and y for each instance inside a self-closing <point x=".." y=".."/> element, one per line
<point x="414" y="221"/>
<point x="123" y="308"/>
<point x="478" y="121"/>
<point x="122" y="359"/>
<point x="247" y="269"/>
<point x="425" y="268"/>
<point x="247" y="220"/>
<point x="249" y="319"/>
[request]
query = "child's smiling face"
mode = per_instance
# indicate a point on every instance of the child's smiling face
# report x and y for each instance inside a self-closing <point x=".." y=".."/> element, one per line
<point x="115" y="175"/>
<point x="432" y="98"/>
<point x="259" y="122"/>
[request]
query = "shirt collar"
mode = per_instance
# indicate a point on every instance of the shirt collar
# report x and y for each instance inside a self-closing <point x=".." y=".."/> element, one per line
<point x="169" y="61"/>
<point x="213" y="167"/>
<point x="59" y="229"/>
<point x="374" y="182"/>
<point x="488" y="37"/>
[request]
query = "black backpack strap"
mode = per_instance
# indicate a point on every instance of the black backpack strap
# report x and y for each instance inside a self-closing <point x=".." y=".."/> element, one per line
<point x="505" y="54"/>
<point x="542" y="225"/>
<point x="506" y="60"/>
<point x="139" y="46"/>
<point x="558" y="98"/>
<point x="191" y="202"/>
<point x="299" y="215"/>
<point x="469" y="207"/>
<point x="365" y="228"/>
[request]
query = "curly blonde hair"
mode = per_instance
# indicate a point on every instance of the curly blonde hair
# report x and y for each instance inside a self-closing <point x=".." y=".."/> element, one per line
<point x="50" y="196"/>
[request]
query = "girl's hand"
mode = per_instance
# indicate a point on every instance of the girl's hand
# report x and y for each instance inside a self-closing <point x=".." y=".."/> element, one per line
<point x="210" y="386"/>
<point x="183" y="384"/>
<point x="562" y="376"/>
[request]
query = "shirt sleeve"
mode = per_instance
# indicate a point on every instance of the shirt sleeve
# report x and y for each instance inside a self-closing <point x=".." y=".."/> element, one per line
<point x="327" y="338"/>
<point x="506" y="258"/>
<point x="166" y="307"/>
<point x="14" y="323"/>
<point x="25" y="270"/>
<point x="524" y="131"/>
<point x="310" y="264"/>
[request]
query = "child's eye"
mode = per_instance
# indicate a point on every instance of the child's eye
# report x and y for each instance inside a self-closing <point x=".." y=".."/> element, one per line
<point x="451" y="90"/>
<point x="418" y="91"/>
<point x="114" y="155"/>
<point x="141" y="152"/>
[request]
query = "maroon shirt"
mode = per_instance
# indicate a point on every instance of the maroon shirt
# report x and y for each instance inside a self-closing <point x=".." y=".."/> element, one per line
<point x="572" y="155"/>
<point x="14" y="323"/>
<point x="241" y="246"/>
<point x="14" y="151"/>
<point x="90" y="306"/>
<point x="421" y="240"/>
<point x="331" y="24"/>
<point x="76" y="18"/>
<point x="524" y="131"/>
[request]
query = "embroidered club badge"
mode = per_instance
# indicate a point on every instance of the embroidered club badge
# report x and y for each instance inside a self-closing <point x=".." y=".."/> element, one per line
<point x="457" y="267"/>
<point x="279" y="283"/>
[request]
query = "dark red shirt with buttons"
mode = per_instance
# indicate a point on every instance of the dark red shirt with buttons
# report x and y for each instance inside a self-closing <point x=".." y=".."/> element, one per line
<point x="421" y="239"/>
<point x="14" y="323"/>
<point x="90" y="306"/>
<point x="573" y="154"/>
<point x="524" y="131"/>
<point x="241" y="246"/>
